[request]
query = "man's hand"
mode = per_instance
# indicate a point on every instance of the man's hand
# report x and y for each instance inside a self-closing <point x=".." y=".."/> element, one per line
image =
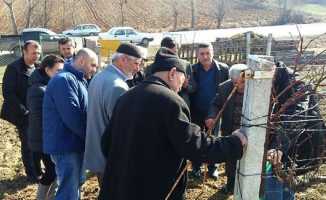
<point x="209" y="123"/>
<point x="274" y="156"/>
<point x="242" y="137"/>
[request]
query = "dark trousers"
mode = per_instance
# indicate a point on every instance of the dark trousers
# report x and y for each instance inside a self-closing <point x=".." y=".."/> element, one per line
<point x="230" y="169"/>
<point x="26" y="153"/>
<point x="47" y="175"/>
<point x="199" y="119"/>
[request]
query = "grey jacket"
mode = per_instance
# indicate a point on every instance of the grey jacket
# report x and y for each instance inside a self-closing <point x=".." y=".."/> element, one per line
<point x="104" y="90"/>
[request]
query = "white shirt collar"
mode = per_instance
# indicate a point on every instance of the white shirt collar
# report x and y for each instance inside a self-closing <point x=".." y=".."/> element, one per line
<point x="125" y="77"/>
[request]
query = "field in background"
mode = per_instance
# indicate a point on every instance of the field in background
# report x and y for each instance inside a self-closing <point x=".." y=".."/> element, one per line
<point x="313" y="9"/>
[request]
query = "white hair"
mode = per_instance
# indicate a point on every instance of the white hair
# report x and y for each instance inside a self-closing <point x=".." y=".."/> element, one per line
<point x="118" y="55"/>
<point x="236" y="70"/>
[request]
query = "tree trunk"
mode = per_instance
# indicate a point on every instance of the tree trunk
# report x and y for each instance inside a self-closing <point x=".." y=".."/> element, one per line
<point x="45" y="14"/>
<point x="30" y="8"/>
<point x="220" y="12"/>
<point x="175" y="14"/>
<point x="63" y="22"/>
<point x="122" y="4"/>
<point x="9" y="4"/>
<point x="193" y="14"/>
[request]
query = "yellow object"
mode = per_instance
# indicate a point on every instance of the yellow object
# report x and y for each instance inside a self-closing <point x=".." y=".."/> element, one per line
<point x="108" y="47"/>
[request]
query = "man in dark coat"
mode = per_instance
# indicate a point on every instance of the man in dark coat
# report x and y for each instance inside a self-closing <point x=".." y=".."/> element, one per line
<point x="146" y="154"/>
<point x="15" y="84"/>
<point x="206" y="75"/>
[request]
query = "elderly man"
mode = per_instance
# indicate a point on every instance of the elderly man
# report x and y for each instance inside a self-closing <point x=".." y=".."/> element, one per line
<point x="14" y="110"/>
<point x="64" y="122"/>
<point x="205" y="77"/>
<point x="67" y="48"/>
<point x="231" y="116"/>
<point x="150" y="136"/>
<point x="103" y="92"/>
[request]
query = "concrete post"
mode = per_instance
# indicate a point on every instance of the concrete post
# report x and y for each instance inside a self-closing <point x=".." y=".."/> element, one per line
<point x="248" y="44"/>
<point x="255" y="109"/>
<point x="269" y="44"/>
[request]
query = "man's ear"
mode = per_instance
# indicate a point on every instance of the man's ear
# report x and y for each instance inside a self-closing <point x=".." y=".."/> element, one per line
<point x="172" y="73"/>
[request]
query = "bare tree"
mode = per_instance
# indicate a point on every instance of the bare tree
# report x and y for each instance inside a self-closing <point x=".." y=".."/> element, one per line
<point x="220" y="12"/>
<point x="30" y="7"/>
<point x="283" y="5"/>
<point x="193" y="14"/>
<point x="9" y="4"/>
<point x="46" y="16"/>
<point x="175" y="14"/>
<point x="122" y="4"/>
<point x="92" y="7"/>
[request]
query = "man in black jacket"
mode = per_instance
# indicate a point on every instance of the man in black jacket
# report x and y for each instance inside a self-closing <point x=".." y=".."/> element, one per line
<point x="205" y="78"/>
<point x="15" y="84"/>
<point x="146" y="154"/>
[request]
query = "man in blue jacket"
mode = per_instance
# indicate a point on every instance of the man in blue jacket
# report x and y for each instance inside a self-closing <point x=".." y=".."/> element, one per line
<point x="64" y="120"/>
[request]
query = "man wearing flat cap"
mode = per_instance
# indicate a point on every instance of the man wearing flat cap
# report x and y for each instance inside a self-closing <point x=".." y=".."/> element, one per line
<point x="146" y="154"/>
<point x="103" y="92"/>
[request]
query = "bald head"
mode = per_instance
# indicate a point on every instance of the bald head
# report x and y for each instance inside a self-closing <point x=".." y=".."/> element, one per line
<point x="86" y="61"/>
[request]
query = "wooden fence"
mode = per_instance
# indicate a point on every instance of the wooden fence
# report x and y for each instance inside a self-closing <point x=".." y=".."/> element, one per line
<point x="235" y="50"/>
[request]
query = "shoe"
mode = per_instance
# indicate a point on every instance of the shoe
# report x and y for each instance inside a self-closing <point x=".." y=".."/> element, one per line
<point x="46" y="192"/>
<point x="213" y="174"/>
<point x="196" y="174"/>
<point x="52" y="191"/>
<point x="227" y="190"/>
<point x="42" y="192"/>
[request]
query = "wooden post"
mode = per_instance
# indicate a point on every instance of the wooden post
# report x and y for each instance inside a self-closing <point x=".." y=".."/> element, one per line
<point x="255" y="109"/>
<point x="269" y="44"/>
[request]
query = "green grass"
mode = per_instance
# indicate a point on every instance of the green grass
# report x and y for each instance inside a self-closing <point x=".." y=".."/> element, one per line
<point x="314" y="9"/>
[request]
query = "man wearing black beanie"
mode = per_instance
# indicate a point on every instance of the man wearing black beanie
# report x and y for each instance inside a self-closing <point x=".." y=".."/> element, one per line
<point x="145" y="155"/>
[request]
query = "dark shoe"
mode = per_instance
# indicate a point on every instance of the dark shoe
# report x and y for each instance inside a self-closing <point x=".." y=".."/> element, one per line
<point x="227" y="190"/>
<point x="196" y="174"/>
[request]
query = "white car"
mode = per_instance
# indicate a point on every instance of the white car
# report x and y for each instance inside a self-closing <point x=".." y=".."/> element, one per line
<point x="83" y="30"/>
<point x="127" y="34"/>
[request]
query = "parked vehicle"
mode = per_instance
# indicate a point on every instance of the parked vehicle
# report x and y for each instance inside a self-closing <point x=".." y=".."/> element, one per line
<point x="83" y="30"/>
<point x="127" y="34"/>
<point x="47" y="38"/>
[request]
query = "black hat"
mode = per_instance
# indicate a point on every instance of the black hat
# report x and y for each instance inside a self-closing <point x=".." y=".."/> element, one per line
<point x="130" y="50"/>
<point x="168" y="43"/>
<point x="165" y="60"/>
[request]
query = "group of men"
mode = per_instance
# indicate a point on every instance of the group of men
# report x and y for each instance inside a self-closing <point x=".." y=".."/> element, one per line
<point x="135" y="139"/>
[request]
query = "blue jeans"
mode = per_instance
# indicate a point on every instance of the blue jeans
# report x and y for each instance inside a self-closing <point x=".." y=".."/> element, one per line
<point x="276" y="190"/>
<point x="70" y="175"/>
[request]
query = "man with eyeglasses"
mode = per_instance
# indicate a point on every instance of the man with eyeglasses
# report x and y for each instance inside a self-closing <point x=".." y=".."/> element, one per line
<point x="15" y="84"/>
<point x="103" y="92"/>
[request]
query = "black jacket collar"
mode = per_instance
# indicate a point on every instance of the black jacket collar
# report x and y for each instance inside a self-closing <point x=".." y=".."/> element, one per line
<point x="156" y="80"/>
